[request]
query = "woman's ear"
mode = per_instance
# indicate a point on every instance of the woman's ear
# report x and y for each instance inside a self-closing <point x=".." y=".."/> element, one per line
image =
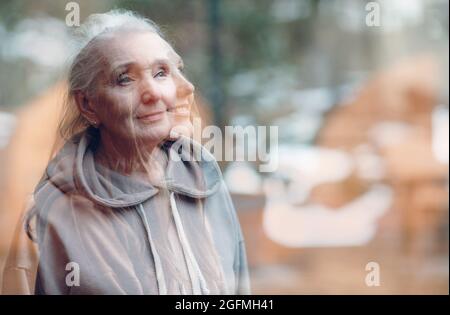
<point x="86" y="109"/>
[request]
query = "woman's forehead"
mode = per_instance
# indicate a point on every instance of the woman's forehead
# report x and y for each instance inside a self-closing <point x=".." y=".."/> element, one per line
<point x="140" y="47"/>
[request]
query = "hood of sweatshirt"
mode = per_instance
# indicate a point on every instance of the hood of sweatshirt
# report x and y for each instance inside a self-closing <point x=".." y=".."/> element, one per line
<point x="74" y="168"/>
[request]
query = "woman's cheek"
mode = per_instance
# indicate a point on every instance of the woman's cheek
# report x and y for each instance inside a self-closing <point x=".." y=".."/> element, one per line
<point x="170" y="94"/>
<point x="118" y="105"/>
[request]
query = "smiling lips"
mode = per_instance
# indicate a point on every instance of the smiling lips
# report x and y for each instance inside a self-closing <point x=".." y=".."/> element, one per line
<point x="180" y="110"/>
<point x="152" y="116"/>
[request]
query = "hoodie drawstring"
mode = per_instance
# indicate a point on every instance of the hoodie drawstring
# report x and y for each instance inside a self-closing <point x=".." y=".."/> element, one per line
<point x="162" y="289"/>
<point x="194" y="270"/>
<point x="198" y="281"/>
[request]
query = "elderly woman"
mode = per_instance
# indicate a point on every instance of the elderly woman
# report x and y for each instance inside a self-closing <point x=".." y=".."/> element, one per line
<point x="123" y="208"/>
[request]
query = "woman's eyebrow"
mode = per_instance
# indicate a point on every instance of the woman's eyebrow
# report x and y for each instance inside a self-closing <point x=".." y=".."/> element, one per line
<point x="130" y="64"/>
<point x="161" y="61"/>
<point x="122" y="67"/>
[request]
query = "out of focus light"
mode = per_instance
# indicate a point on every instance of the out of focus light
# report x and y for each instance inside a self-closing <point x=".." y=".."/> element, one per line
<point x="7" y="122"/>
<point x="440" y="133"/>
<point x="48" y="35"/>
<point x="316" y="225"/>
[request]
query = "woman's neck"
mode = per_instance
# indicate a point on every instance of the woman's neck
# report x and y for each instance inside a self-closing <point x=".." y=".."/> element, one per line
<point x="146" y="160"/>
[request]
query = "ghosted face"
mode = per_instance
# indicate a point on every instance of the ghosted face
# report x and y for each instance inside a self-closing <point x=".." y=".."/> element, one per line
<point x="180" y="113"/>
<point x="137" y="87"/>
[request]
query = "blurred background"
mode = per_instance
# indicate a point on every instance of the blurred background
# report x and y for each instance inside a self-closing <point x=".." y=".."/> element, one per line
<point x="363" y="116"/>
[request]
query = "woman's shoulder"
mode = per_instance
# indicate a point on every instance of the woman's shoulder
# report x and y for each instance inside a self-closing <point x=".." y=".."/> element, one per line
<point x="60" y="209"/>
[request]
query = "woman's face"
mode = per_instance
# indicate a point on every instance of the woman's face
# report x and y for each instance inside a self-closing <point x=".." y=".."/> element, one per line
<point x="141" y="91"/>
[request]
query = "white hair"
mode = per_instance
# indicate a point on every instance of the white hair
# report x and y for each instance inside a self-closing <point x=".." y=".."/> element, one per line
<point x="104" y="23"/>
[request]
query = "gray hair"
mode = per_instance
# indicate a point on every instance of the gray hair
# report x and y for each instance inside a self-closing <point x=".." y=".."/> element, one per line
<point x="85" y="65"/>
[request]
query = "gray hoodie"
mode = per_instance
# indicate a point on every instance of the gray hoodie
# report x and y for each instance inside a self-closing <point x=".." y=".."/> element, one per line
<point x="102" y="232"/>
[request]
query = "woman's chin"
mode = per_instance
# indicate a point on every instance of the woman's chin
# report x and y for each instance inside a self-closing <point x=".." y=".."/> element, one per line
<point x="157" y="134"/>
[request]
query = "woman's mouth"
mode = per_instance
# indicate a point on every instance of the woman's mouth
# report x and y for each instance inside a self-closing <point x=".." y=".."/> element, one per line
<point x="152" y="116"/>
<point x="180" y="110"/>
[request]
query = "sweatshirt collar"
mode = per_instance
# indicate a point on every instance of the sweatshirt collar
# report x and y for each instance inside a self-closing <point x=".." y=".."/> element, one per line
<point x="191" y="171"/>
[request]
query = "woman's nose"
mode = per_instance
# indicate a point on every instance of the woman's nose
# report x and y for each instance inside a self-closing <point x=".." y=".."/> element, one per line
<point x="150" y="93"/>
<point x="185" y="87"/>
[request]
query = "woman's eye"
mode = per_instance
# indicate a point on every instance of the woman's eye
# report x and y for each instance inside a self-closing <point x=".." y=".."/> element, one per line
<point x="123" y="79"/>
<point x="162" y="72"/>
